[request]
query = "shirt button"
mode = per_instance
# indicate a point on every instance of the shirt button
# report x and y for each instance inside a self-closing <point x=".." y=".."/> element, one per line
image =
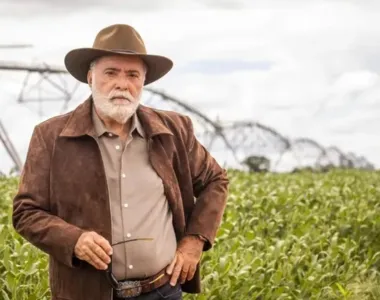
<point x="123" y="175"/>
<point x="131" y="267"/>
<point x="125" y="205"/>
<point x="117" y="147"/>
<point x="128" y="235"/>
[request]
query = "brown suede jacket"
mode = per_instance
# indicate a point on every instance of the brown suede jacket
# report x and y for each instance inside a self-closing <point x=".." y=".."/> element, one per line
<point x="63" y="192"/>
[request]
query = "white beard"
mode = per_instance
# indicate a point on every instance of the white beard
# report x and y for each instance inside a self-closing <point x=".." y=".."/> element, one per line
<point x="118" y="112"/>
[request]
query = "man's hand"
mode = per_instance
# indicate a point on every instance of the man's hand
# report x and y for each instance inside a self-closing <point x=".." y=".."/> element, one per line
<point x="184" y="264"/>
<point x="94" y="249"/>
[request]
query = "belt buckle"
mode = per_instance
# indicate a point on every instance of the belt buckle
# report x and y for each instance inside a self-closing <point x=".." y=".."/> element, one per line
<point x="129" y="289"/>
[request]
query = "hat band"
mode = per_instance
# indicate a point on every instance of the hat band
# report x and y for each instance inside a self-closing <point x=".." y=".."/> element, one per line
<point x="124" y="51"/>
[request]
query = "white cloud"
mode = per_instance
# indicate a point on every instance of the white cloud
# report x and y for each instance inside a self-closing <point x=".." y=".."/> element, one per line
<point x="323" y="77"/>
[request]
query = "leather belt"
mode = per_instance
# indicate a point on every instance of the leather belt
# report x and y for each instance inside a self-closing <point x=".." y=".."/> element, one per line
<point x="132" y="288"/>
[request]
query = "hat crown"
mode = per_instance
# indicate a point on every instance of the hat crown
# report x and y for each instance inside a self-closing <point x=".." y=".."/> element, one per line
<point x="117" y="39"/>
<point x="120" y="37"/>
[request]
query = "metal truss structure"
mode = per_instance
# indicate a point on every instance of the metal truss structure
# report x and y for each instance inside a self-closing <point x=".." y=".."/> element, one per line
<point x="229" y="142"/>
<point x="43" y="83"/>
<point x="234" y="141"/>
<point x="9" y="147"/>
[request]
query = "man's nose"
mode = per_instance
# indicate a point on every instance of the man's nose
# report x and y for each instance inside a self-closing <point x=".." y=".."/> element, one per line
<point x="122" y="83"/>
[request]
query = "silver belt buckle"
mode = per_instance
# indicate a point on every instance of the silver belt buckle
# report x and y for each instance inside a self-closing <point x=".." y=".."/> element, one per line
<point x="128" y="289"/>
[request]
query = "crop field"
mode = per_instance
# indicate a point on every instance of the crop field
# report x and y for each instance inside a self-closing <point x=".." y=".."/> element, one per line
<point x="283" y="236"/>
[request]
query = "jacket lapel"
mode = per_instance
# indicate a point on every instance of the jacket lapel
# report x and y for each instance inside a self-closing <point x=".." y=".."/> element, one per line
<point x="158" y="134"/>
<point x="163" y="166"/>
<point x="80" y="121"/>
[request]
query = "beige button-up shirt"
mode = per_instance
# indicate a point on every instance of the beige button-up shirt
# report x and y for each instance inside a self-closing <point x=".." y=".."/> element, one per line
<point x="139" y="208"/>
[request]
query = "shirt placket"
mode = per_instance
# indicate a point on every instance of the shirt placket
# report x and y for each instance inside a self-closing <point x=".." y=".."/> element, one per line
<point x="115" y="151"/>
<point x="126" y="206"/>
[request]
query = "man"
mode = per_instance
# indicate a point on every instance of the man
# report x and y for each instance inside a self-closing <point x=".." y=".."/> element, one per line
<point x="108" y="190"/>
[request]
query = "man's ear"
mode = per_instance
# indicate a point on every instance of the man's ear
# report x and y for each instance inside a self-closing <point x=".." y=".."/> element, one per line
<point x="89" y="77"/>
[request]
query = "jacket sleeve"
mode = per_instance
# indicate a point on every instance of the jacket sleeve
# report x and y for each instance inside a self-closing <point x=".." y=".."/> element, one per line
<point x="32" y="217"/>
<point x="210" y="186"/>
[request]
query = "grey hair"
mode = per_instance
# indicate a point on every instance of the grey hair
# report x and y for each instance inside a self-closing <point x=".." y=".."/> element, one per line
<point x="92" y="64"/>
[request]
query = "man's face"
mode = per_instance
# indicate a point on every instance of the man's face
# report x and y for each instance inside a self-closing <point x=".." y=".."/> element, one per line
<point x="116" y="83"/>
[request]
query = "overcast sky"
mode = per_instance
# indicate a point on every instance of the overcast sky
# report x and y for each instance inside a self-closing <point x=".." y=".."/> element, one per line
<point x="306" y="68"/>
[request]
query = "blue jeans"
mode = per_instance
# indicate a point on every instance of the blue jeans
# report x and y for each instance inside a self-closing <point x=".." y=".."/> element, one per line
<point x="166" y="291"/>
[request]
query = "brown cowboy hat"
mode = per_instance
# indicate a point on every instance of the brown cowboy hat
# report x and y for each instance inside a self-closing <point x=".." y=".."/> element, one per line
<point x="119" y="39"/>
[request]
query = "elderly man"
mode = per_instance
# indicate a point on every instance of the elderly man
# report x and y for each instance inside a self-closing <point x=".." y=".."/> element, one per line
<point x="122" y="197"/>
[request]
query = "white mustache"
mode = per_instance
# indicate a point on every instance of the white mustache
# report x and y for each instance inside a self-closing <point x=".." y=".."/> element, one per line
<point x="124" y="95"/>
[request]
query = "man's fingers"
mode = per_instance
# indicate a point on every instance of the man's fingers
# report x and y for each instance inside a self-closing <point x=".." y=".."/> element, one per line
<point x="89" y="260"/>
<point x="184" y="272"/>
<point x="94" y="249"/>
<point x="177" y="271"/>
<point x="191" y="273"/>
<point x="169" y="270"/>
<point x="96" y="261"/>
<point x="103" y="243"/>
<point x="100" y="253"/>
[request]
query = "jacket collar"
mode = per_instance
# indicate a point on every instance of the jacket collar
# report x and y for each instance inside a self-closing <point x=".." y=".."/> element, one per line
<point x="81" y="123"/>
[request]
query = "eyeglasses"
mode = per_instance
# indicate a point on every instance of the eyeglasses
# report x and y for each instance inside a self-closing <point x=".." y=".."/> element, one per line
<point x="110" y="276"/>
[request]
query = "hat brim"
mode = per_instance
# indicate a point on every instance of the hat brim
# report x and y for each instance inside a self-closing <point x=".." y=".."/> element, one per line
<point x="78" y="62"/>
